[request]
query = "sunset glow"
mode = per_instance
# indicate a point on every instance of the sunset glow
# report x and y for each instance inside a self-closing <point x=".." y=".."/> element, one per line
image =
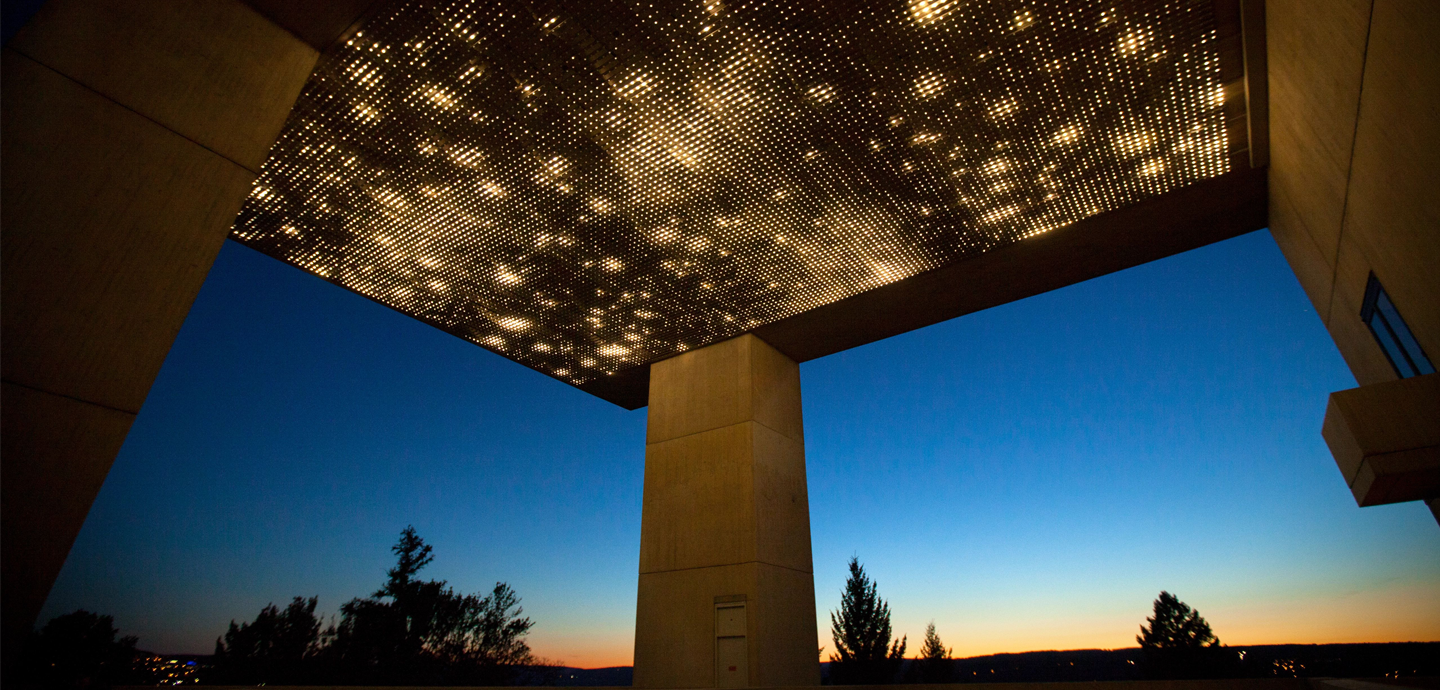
<point x="1028" y="477"/>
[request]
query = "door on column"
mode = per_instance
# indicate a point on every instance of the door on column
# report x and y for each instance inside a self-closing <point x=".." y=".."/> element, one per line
<point x="732" y="654"/>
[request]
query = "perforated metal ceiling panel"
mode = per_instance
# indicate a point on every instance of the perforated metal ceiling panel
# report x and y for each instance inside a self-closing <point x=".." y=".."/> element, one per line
<point x="590" y="187"/>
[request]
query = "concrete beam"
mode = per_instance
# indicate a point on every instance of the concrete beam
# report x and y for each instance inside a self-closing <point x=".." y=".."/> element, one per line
<point x="1386" y="439"/>
<point x="132" y="133"/>
<point x="320" y="23"/>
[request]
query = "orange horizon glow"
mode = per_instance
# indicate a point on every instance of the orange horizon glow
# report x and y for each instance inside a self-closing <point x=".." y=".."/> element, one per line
<point x="591" y="662"/>
<point x="1403" y="613"/>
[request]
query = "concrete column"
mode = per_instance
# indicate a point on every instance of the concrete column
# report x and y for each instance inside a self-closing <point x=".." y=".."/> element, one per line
<point x="133" y="132"/>
<point x="727" y="589"/>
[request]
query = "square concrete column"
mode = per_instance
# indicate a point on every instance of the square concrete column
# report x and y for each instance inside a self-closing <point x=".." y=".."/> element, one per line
<point x="727" y="589"/>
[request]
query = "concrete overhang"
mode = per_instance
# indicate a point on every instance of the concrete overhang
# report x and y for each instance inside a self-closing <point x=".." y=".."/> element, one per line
<point x="589" y="188"/>
<point x="1386" y="439"/>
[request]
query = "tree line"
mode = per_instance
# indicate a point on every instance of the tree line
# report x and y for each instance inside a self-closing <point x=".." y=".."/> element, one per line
<point x="1176" y="642"/>
<point x="422" y="632"/>
<point x="410" y="631"/>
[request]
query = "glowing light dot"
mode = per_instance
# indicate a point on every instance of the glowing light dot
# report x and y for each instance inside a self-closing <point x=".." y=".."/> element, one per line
<point x="1067" y="135"/>
<point x="513" y="323"/>
<point x="930" y="85"/>
<point x="926" y="12"/>
<point x="1153" y="167"/>
<point x="739" y="176"/>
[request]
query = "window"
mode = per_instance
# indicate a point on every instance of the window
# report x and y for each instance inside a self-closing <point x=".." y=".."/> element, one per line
<point x="1390" y="330"/>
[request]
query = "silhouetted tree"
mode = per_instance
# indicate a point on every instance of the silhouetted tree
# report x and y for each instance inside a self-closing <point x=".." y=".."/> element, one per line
<point x="1175" y="626"/>
<point x="412" y="555"/>
<point x="419" y="632"/>
<point x="1178" y="643"/>
<point x="861" y="629"/>
<point x="498" y="636"/>
<point x="935" y="664"/>
<point x="78" y="650"/>
<point x="274" y="649"/>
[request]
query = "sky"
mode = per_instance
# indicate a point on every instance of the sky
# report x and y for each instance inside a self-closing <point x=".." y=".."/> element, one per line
<point x="1028" y="477"/>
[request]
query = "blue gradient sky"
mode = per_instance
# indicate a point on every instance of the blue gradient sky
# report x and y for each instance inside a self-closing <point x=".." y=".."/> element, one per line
<point x="1028" y="477"/>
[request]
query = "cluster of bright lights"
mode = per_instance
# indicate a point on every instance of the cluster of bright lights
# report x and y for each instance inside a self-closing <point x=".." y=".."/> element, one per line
<point x="590" y="191"/>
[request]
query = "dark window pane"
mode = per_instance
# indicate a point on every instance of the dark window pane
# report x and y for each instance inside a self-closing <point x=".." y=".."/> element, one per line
<point x="1402" y="334"/>
<point x="1395" y="338"/>
<point x="1386" y="336"/>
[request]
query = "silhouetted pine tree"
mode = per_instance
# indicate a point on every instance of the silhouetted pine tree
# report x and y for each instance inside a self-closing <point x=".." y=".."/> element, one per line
<point x="1175" y="626"/>
<point x="1178" y="643"/>
<point x="935" y="664"/>
<point x="863" y="654"/>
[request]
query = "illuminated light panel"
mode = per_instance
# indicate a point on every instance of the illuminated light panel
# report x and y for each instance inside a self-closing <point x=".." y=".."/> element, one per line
<point x="592" y="187"/>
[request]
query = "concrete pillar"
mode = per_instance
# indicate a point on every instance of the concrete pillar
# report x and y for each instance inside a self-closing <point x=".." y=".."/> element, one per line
<point x="132" y="133"/>
<point x="727" y="589"/>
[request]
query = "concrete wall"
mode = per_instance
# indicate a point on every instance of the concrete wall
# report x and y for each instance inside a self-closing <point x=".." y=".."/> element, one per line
<point x="726" y="517"/>
<point x="132" y="132"/>
<point x="1355" y="138"/>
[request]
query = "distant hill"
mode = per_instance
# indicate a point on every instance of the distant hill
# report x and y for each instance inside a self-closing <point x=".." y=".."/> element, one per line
<point x="595" y="677"/>
<point x="1379" y="660"/>
<point x="1037" y="667"/>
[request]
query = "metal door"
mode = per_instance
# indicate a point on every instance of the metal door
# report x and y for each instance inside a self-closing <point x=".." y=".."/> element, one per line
<point x="732" y="653"/>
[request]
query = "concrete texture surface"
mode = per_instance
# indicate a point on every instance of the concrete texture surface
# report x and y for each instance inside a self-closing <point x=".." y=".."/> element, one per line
<point x="319" y="23"/>
<point x="56" y="452"/>
<point x="1355" y="104"/>
<point x="726" y="518"/>
<point x="1386" y="439"/>
<point x="214" y="72"/>
<point x="132" y="132"/>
